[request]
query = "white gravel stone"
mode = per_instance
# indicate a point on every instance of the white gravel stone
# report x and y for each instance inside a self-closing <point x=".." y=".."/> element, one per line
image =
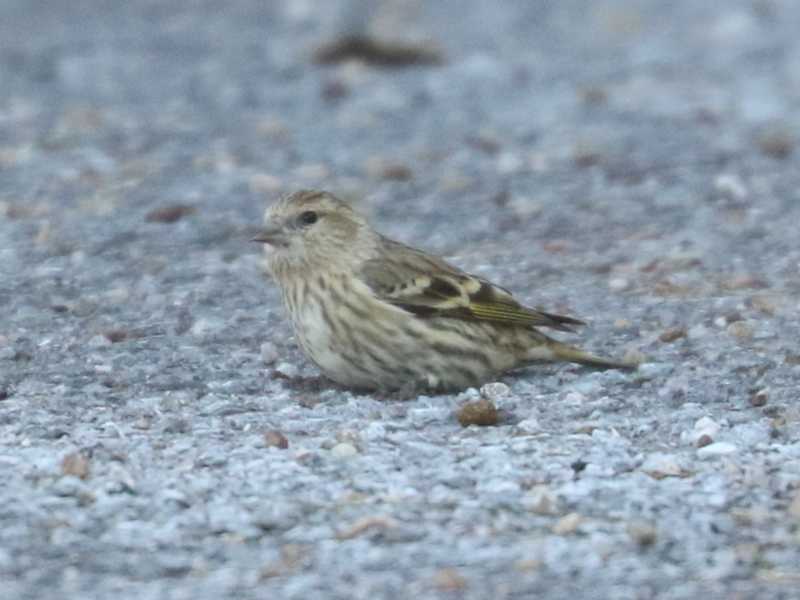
<point x="287" y="369"/>
<point x="344" y="450"/>
<point x="269" y="353"/>
<point x="716" y="450"/>
<point x="99" y="341"/>
<point x="495" y="391"/>
<point x="704" y="426"/>
<point x="661" y="465"/>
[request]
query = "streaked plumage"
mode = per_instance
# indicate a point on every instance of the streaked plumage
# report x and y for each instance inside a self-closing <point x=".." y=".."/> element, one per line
<point x="373" y="313"/>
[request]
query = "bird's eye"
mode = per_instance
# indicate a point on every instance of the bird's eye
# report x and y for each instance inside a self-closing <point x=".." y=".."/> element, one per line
<point x="308" y="217"/>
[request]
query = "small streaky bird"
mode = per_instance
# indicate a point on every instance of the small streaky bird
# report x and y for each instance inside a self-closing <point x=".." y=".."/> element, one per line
<point x="376" y="314"/>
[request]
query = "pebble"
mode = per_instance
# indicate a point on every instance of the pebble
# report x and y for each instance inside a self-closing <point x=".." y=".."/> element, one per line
<point x="730" y="186"/>
<point x="568" y="524"/>
<point x="659" y="466"/>
<point x="705" y="429"/>
<point x="670" y="335"/>
<point x="203" y="327"/>
<point x="759" y="398"/>
<point x="76" y="464"/>
<point x="288" y="370"/>
<point x="644" y="534"/>
<point x="618" y="284"/>
<point x="574" y="398"/>
<point x="716" y="450"/>
<point x="741" y="330"/>
<point x="541" y="500"/>
<point x="269" y="353"/>
<point x="483" y="413"/>
<point x="344" y="450"/>
<point x="275" y="439"/>
<point x="494" y="391"/>
<point x="530" y="425"/>
<point x="99" y="341"/>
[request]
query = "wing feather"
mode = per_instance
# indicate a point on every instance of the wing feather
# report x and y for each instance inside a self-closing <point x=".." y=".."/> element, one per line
<point x="427" y="286"/>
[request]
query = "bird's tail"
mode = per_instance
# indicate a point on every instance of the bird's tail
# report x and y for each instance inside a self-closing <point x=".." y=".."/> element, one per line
<point x="569" y="353"/>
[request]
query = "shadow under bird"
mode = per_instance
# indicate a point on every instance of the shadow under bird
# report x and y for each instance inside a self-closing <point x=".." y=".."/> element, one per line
<point x="375" y="314"/>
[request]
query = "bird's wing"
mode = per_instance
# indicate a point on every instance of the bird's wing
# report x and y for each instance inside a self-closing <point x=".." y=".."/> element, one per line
<point x="427" y="286"/>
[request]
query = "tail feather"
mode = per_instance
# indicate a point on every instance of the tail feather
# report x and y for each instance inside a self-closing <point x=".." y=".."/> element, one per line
<point x="569" y="353"/>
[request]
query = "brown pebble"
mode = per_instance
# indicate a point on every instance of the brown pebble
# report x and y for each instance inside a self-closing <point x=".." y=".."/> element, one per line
<point x="115" y="335"/>
<point x="482" y="412"/>
<point x="275" y="439"/>
<point x="169" y="214"/>
<point x="672" y="334"/>
<point x="759" y="398"/>
<point x="776" y="143"/>
<point x="586" y="155"/>
<point x="379" y="168"/>
<point x="741" y="330"/>
<point x="449" y="580"/>
<point x="763" y="304"/>
<point x="364" y="525"/>
<point x="377" y="52"/>
<point x="745" y="282"/>
<point x="703" y="440"/>
<point x="75" y="464"/>
<point x="644" y="534"/>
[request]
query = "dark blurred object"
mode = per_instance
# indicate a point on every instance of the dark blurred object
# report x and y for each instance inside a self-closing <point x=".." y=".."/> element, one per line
<point x="169" y="214"/>
<point x="377" y="52"/>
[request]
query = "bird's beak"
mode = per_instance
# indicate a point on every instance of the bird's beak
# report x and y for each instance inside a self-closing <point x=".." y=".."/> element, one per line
<point x="270" y="234"/>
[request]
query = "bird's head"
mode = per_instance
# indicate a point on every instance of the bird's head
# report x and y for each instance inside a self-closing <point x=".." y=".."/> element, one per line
<point x="313" y="229"/>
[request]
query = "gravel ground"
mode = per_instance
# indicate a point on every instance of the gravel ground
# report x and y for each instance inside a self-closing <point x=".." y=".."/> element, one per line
<point x="629" y="162"/>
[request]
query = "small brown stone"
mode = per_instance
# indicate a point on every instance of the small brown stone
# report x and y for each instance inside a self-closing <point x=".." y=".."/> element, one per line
<point x="275" y="439"/>
<point x="378" y="52"/>
<point x="759" y="398"/>
<point x="665" y="287"/>
<point x="741" y="330"/>
<point x="75" y="464"/>
<point x="481" y="412"/>
<point x="364" y="525"/>
<point x="745" y="282"/>
<point x="776" y="143"/>
<point x="703" y="440"/>
<point x="587" y="155"/>
<point x="672" y="334"/>
<point x="169" y="214"/>
<point x="644" y="534"/>
<point x="115" y="335"/>
<point x="449" y="580"/>
<point x="763" y="304"/>
<point x="379" y="168"/>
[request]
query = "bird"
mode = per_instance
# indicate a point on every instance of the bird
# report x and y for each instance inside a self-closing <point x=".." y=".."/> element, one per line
<point x="375" y="314"/>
